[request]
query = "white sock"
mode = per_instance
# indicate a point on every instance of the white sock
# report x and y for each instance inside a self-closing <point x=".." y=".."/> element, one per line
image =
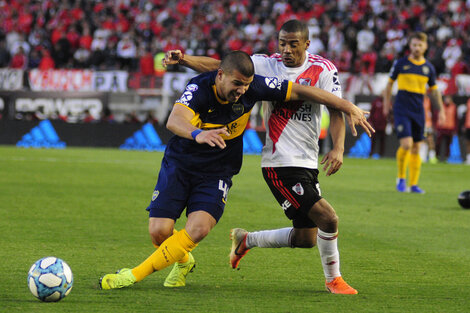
<point x="276" y="238"/>
<point x="328" y="247"/>
<point x="432" y="154"/>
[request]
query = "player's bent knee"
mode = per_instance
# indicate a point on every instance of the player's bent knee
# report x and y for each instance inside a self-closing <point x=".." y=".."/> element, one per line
<point x="198" y="232"/>
<point x="158" y="235"/>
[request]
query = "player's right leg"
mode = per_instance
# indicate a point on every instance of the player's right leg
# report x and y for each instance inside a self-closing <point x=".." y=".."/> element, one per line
<point x="403" y="127"/>
<point x="403" y="156"/>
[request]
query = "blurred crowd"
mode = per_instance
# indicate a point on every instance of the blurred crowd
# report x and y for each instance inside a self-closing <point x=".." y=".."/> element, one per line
<point x="360" y="36"/>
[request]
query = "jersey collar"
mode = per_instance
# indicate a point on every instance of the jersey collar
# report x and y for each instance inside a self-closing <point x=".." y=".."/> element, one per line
<point x="417" y="62"/>
<point x="214" y="89"/>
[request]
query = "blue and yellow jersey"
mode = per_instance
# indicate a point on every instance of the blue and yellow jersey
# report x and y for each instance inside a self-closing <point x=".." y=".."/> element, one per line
<point x="412" y="78"/>
<point x="200" y="97"/>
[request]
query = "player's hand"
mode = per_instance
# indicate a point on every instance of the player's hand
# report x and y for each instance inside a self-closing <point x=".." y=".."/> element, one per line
<point x="357" y="116"/>
<point x="332" y="161"/>
<point x="172" y="57"/>
<point x="213" y="137"/>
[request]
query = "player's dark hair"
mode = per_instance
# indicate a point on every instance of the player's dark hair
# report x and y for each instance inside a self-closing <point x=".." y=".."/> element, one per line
<point x="296" y="26"/>
<point x="239" y="61"/>
<point x="420" y="36"/>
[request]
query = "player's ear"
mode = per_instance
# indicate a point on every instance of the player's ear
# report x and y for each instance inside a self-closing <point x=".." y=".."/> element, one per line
<point x="220" y="73"/>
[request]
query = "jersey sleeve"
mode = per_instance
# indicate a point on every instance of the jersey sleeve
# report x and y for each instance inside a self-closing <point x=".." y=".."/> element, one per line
<point x="329" y="81"/>
<point x="261" y="63"/>
<point x="394" y="71"/>
<point x="432" y="77"/>
<point x="192" y="97"/>
<point x="271" y="89"/>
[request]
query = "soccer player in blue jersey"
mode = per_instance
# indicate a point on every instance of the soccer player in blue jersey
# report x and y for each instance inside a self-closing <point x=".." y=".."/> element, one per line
<point x="413" y="73"/>
<point x="208" y="121"/>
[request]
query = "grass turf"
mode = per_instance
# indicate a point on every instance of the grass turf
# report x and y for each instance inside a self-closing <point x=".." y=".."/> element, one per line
<point x="403" y="252"/>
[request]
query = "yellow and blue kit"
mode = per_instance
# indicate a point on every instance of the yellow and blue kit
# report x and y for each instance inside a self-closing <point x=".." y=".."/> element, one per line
<point x="408" y="110"/>
<point x="198" y="176"/>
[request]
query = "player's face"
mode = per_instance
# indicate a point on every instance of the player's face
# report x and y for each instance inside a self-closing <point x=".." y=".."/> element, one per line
<point x="418" y="47"/>
<point x="232" y="85"/>
<point x="292" y="48"/>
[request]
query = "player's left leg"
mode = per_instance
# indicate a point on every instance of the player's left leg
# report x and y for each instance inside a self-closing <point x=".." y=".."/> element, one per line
<point x="198" y="226"/>
<point x="324" y="216"/>
<point x="415" y="168"/>
<point x="186" y="265"/>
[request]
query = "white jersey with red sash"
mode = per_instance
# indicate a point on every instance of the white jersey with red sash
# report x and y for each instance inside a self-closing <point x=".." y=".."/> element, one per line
<point x="293" y="128"/>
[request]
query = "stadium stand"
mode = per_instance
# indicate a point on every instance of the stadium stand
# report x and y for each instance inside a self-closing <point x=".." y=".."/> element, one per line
<point x="108" y="35"/>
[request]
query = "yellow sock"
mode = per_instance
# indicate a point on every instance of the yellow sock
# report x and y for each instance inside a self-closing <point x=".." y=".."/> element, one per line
<point x="183" y="259"/>
<point x="403" y="158"/>
<point x="170" y="251"/>
<point x="415" y="169"/>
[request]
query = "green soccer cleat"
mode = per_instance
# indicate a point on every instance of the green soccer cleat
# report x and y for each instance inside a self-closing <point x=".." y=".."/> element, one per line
<point x="177" y="276"/>
<point x="122" y="278"/>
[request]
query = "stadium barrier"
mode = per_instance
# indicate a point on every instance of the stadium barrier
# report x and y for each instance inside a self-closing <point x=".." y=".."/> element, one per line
<point x="127" y="136"/>
<point x="41" y="136"/>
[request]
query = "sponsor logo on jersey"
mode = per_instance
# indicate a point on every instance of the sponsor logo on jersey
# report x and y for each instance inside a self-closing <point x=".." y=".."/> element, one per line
<point x="336" y="78"/>
<point x="273" y="82"/>
<point x="406" y="67"/>
<point x="192" y="87"/>
<point x="185" y="98"/>
<point x="295" y="112"/>
<point x="285" y="205"/>
<point x="298" y="189"/>
<point x="155" y="195"/>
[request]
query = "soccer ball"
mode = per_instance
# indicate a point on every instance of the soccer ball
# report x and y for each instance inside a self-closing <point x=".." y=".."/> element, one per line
<point x="464" y="199"/>
<point x="50" y="279"/>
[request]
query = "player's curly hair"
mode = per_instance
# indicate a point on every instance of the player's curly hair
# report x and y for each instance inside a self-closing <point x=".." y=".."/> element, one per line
<point x="239" y="61"/>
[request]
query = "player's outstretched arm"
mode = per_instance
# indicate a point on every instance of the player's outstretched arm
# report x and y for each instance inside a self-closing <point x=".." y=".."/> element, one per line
<point x="179" y="123"/>
<point x="354" y="115"/>
<point x="198" y="63"/>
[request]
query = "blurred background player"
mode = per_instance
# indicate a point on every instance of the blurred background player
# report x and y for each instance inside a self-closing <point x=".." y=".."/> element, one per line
<point x="446" y="130"/>
<point x="290" y="155"/>
<point x="378" y="120"/>
<point x="467" y="133"/>
<point x="413" y="73"/>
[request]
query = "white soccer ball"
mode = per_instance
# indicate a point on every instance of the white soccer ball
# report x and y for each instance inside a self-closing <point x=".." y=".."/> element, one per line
<point x="50" y="279"/>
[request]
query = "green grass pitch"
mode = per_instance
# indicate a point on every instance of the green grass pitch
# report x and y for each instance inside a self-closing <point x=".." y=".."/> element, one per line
<point x="403" y="252"/>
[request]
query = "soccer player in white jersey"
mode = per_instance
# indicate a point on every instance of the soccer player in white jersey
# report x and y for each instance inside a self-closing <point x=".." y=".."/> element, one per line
<point x="290" y="155"/>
